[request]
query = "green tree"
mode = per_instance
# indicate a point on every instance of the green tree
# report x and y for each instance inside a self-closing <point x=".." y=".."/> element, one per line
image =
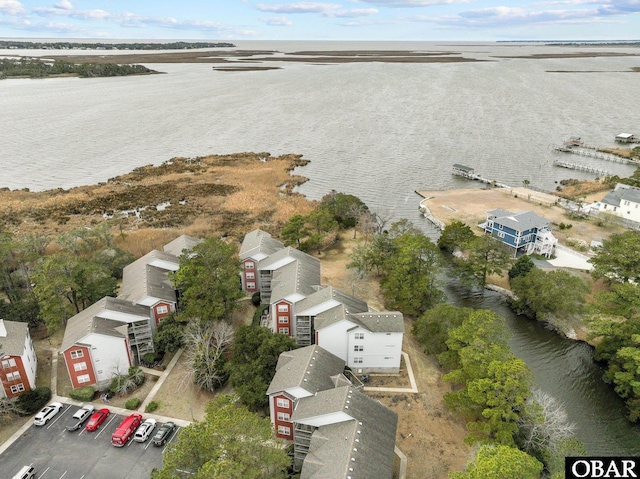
<point x="455" y="236"/>
<point x="168" y="337"/>
<point x="113" y="259"/>
<point x="485" y="255"/>
<point x="432" y="328"/>
<point x="522" y="266"/>
<point x="345" y="209"/>
<point x="66" y="284"/>
<point x="541" y="294"/>
<point x="208" y="281"/>
<point x="254" y="355"/>
<point x="294" y="231"/>
<point x="231" y="442"/>
<point x="410" y="281"/>
<point x="618" y="261"/>
<point x="623" y="299"/>
<point x="501" y="462"/>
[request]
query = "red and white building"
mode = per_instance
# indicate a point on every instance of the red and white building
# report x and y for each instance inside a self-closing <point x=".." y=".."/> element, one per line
<point x="337" y="431"/>
<point x="104" y="340"/>
<point x="115" y="333"/>
<point x="18" y="362"/>
<point x="256" y="246"/>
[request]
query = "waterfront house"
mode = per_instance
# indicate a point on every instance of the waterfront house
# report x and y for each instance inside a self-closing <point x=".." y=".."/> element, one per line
<point x="464" y="171"/>
<point x="626" y="138"/>
<point x="525" y="232"/>
<point x="17" y="359"/>
<point x="337" y="431"/>
<point x="623" y="201"/>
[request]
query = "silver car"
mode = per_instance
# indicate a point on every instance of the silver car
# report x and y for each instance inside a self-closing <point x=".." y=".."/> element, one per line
<point x="144" y="430"/>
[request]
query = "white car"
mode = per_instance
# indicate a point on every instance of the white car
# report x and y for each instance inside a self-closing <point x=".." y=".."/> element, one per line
<point x="144" y="430"/>
<point x="45" y="415"/>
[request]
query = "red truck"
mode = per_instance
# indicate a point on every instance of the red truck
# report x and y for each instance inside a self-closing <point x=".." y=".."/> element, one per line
<point x="126" y="429"/>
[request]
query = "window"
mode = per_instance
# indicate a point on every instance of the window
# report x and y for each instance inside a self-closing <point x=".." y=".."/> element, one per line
<point x="251" y="285"/>
<point x="283" y="308"/>
<point x="358" y="347"/>
<point x="78" y="353"/>
<point x="9" y="363"/>
<point x="283" y="319"/>
<point x="251" y="275"/>
<point x="283" y="330"/>
<point x="284" y="430"/>
<point x="17" y="388"/>
<point x="358" y="336"/>
<point x="162" y="309"/>
<point x="13" y="376"/>
<point x="500" y="234"/>
<point x="84" y="378"/>
<point x="284" y="416"/>
<point x="357" y="360"/>
<point x="80" y="366"/>
<point x="500" y="226"/>
<point x="248" y="265"/>
<point x="282" y="402"/>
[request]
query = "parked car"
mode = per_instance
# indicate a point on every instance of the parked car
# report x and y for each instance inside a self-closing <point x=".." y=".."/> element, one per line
<point x="79" y="417"/>
<point x="125" y="430"/>
<point x="27" y="472"/>
<point x="45" y="415"/>
<point x="97" y="418"/>
<point x="160" y="439"/>
<point x="144" y="430"/>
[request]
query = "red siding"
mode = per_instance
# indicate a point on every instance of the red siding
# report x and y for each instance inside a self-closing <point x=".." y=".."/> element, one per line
<point x="159" y="306"/>
<point x="284" y="410"/>
<point x="249" y="268"/>
<point x="86" y="358"/>
<point x="285" y="316"/>
<point x="19" y="368"/>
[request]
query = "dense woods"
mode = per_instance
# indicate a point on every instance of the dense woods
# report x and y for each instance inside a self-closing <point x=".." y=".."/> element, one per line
<point x="36" y="68"/>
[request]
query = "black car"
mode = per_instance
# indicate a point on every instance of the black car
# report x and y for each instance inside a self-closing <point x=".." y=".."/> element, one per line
<point x="79" y="417"/>
<point x="163" y="434"/>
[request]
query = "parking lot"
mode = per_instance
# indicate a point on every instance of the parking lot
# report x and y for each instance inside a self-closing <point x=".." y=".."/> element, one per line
<point x="58" y="453"/>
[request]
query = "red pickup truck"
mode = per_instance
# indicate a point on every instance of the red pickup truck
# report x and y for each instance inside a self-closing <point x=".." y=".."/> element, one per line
<point x="126" y="429"/>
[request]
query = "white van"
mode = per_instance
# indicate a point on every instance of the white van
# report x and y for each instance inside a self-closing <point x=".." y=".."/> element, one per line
<point x="27" y="472"/>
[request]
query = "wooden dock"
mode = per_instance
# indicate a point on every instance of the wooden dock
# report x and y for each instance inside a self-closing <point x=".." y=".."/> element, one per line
<point x="593" y="152"/>
<point x="578" y="167"/>
<point x="470" y="174"/>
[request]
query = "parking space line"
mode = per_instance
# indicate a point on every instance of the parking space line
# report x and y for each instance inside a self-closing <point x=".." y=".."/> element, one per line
<point x="104" y="426"/>
<point x="43" y="473"/>
<point x="170" y="439"/>
<point x="58" y="416"/>
<point x="63" y="474"/>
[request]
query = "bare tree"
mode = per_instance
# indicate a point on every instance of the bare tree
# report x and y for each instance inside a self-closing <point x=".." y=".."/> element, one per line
<point x="205" y="343"/>
<point x="9" y="408"/>
<point x="545" y="424"/>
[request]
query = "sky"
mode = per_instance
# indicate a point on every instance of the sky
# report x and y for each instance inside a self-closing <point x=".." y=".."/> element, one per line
<point x="340" y="20"/>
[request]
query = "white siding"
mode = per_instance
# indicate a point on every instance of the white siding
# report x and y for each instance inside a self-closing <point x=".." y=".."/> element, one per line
<point x="109" y="354"/>
<point x="381" y="351"/>
<point x="332" y="418"/>
<point x="30" y="361"/>
<point x="335" y="338"/>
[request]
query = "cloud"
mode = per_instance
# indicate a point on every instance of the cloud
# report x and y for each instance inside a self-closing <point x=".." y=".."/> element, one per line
<point x="412" y="3"/>
<point x="11" y="7"/>
<point x="64" y="5"/>
<point x="302" y="7"/>
<point x="277" y="21"/>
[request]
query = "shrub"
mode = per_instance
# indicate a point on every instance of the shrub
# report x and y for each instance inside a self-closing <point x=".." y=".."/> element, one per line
<point x="149" y="358"/>
<point x="152" y="406"/>
<point x="258" y="314"/>
<point x="132" y="403"/>
<point x="124" y="383"/>
<point x="255" y="299"/>
<point x="32" y="401"/>
<point x="84" y="394"/>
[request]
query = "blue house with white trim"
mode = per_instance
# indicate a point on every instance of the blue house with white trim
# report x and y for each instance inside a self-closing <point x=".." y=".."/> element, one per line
<point x="525" y="232"/>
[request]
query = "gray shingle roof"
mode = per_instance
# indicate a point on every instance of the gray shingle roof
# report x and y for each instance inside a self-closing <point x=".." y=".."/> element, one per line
<point x="104" y="317"/>
<point x="521" y="221"/>
<point x="310" y="367"/>
<point x="621" y="192"/>
<point x="258" y="244"/>
<point x="297" y="276"/>
<point x="12" y="343"/>
<point x="381" y="322"/>
<point x="180" y="244"/>
<point x="359" y="448"/>
<point x="147" y="277"/>
<point x="330" y="305"/>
